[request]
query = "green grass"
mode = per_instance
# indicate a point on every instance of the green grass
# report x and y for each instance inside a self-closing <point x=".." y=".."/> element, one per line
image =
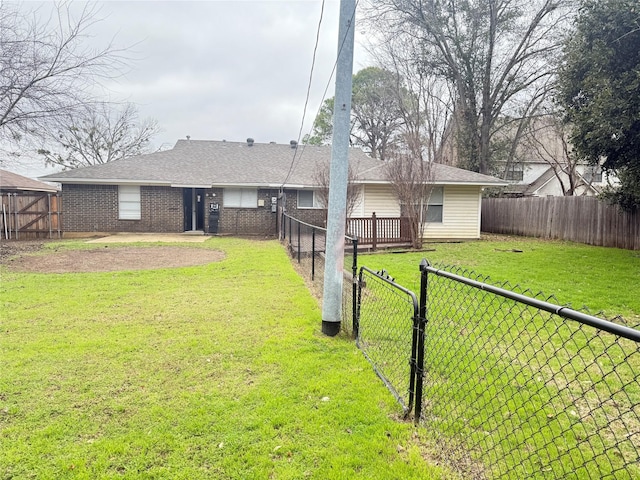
<point x="603" y="279"/>
<point x="539" y="396"/>
<point x="216" y="371"/>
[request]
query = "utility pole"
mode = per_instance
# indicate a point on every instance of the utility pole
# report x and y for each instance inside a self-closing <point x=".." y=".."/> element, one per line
<point x="338" y="174"/>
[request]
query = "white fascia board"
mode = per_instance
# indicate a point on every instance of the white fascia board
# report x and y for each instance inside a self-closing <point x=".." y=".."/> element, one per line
<point x="190" y="185"/>
<point x="437" y="182"/>
<point x="272" y="186"/>
<point x="102" y="181"/>
<point x="31" y="189"/>
<point x="242" y="185"/>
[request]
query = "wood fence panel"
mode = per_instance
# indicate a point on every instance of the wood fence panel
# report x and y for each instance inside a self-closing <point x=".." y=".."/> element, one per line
<point x="25" y="216"/>
<point x="578" y="219"/>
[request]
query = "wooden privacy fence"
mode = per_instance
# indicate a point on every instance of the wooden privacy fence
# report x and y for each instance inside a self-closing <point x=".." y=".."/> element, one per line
<point x="578" y="219"/>
<point x="376" y="231"/>
<point x="30" y="215"/>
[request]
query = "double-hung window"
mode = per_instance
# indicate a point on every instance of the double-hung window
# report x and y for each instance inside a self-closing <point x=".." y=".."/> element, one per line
<point x="129" y="202"/>
<point x="434" y="206"/>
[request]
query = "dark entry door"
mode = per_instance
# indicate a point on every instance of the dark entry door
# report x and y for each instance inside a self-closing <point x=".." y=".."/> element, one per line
<point x="193" y="201"/>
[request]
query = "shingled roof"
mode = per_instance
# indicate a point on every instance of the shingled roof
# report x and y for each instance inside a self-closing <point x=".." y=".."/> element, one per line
<point x="12" y="182"/>
<point x="204" y="163"/>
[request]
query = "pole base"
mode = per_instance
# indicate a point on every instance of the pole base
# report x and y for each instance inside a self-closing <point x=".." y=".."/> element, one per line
<point x="330" y="329"/>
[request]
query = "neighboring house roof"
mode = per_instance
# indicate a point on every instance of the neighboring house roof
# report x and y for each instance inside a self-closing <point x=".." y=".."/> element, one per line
<point x="204" y="163"/>
<point x="533" y="188"/>
<point x="13" y="182"/>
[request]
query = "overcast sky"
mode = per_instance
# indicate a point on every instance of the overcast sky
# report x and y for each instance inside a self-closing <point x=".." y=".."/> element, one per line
<point x="219" y="69"/>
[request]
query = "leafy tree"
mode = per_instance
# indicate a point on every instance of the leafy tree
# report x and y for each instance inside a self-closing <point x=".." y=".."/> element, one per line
<point x="493" y="53"/>
<point x="599" y="88"/>
<point x="322" y="125"/>
<point x="376" y="110"/>
<point x="375" y="113"/>
<point x="46" y="70"/>
<point x="99" y="136"/>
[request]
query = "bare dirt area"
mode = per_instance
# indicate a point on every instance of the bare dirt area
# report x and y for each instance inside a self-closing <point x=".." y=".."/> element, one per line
<point x="29" y="256"/>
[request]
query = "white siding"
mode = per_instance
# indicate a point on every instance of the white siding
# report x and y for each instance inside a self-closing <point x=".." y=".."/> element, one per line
<point x="460" y="210"/>
<point x="358" y="208"/>
<point x="380" y="199"/>
<point x="460" y="214"/>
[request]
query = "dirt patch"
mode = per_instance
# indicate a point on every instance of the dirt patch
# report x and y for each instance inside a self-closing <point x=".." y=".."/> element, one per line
<point x="29" y="257"/>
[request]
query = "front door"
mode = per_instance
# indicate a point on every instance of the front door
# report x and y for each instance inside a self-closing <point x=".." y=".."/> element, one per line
<point x="193" y="201"/>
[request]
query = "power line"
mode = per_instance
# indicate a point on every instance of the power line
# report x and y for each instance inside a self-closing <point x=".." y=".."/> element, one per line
<point x="306" y="101"/>
<point x="324" y="94"/>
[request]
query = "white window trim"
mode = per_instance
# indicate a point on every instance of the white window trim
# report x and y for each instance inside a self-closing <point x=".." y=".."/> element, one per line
<point x="129" y="202"/>
<point x="440" y="204"/>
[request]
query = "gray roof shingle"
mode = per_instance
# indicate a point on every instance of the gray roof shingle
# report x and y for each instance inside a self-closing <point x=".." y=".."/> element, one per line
<point x="10" y="181"/>
<point x="202" y="163"/>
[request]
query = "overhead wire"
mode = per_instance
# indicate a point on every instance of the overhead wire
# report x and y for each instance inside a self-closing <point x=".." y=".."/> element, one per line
<point x="306" y="101"/>
<point x="294" y="161"/>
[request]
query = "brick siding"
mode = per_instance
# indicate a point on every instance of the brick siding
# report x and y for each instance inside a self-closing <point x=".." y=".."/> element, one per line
<point x="248" y="221"/>
<point x="312" y="216"/>
<point x="94" y="208"/>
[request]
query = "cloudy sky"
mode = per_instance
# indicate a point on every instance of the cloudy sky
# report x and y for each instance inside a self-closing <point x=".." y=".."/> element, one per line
<point x="222" y="69"/>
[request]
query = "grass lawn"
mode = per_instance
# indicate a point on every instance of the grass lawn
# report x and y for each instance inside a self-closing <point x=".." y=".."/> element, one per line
<point x="603" y="279"/>
<point x="216" y="371"/>
<point x="538" y="396"/>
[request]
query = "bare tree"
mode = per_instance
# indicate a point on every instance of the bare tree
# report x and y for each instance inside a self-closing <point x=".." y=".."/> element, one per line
<point x="321" y="179"/>
<point x="411" y="180"/>
<point x="546" y="140"/>
<point x="47" y="70"/>
<point x="425" y="109"/>
<point x="98" y="136"/>
<point x="424" y="100"/>
<point x="491" y="52"/>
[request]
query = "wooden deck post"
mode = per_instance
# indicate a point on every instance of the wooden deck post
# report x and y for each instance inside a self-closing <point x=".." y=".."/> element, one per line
<point x="374" y="232"/>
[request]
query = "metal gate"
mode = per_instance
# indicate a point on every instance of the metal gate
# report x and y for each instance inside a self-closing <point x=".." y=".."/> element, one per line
<point x="390" y="333"/>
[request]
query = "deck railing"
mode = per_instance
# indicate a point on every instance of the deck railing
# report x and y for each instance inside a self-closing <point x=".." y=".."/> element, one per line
<point x="376" y="230"/>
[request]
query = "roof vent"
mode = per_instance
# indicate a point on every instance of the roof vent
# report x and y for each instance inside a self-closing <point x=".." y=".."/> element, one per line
<point x="188" y="137"/>
<point x="250" y="142"/>
<point x="293" y="144"/>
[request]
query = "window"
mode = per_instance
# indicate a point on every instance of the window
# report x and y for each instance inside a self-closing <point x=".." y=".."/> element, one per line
<point x="593" y="174"/>
<point x="129" y="202"/>
<point x="434" y="206"/>
<point x="432" y="211"/>
<point x="241" y="198"/>
<point x="308" y="199"/>
<point x="515" y="173"/>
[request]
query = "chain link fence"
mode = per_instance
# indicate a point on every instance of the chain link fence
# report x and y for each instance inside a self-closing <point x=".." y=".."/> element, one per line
<point x="511" y="384"/>
<point x="388" y="335"/>
<point x="306" y="245"/>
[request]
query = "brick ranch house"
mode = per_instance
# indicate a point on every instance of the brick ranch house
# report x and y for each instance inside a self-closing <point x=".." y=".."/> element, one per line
<point x="237" y="188"/>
